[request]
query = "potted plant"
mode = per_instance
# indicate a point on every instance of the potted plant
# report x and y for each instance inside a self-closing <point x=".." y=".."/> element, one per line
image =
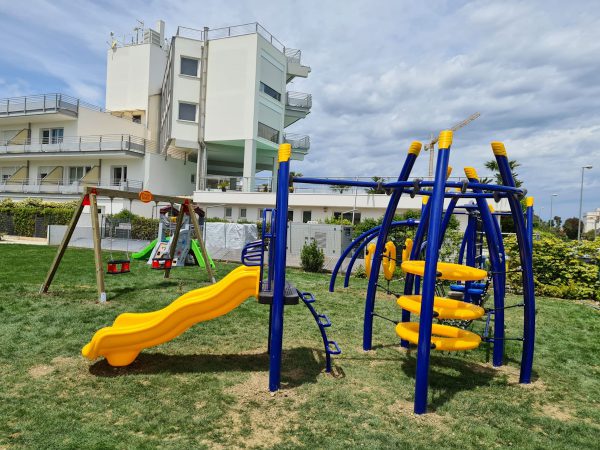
<point x="223" y="185"/>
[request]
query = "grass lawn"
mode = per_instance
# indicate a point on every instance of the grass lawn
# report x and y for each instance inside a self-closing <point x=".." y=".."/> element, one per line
<point x="208" y="387"/>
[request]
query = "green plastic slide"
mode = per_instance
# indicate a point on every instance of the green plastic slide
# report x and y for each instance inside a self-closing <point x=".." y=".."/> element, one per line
<point x="198" y="255"/>
<point x="145" y="252"/>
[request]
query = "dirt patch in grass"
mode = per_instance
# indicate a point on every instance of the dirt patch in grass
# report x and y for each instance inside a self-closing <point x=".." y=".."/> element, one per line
<point x="405" y="408"/>
<point x="40" y="371"/>
<point x="259" y="418"/>
<point x="557" y="412"/>
<point x="512" y="374"/>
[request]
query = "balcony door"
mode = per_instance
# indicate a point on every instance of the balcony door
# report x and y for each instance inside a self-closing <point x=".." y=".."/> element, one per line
<point x="118" y="176"/>
<point x="52" y="135"/>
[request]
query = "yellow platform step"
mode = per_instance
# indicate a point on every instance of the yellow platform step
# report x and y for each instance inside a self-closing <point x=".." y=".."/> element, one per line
<point x="445" y="308"/>
<point x="443" y="337"/>
<point x="446" y="271"/>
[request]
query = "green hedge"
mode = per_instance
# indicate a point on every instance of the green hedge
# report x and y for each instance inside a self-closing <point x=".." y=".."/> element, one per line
<point x="561" y="268"/>
<point x="25" y="212"/>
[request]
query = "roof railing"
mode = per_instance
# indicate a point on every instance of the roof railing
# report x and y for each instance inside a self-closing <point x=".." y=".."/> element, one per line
<point x="298" y="100"/>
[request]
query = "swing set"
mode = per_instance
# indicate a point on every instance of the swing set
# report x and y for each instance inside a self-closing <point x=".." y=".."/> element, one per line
<point x="122" y="266"/>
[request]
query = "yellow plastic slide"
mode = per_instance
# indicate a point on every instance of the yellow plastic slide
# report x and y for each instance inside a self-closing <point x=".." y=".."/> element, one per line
<point x="130" y="333"/>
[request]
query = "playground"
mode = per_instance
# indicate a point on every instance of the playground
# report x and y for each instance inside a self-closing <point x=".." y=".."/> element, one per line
<point x="209" y="387"/>
<point x="456" y="368"/>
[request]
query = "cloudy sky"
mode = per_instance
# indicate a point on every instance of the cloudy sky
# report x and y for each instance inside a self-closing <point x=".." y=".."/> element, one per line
<point x="383" y="74"/>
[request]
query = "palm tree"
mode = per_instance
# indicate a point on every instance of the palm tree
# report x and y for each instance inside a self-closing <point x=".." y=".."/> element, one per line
<point x="292" y="176"/>
<point x="341" y="188"/>
<point x="493" y="166"/>
<point x="376" y="190"/>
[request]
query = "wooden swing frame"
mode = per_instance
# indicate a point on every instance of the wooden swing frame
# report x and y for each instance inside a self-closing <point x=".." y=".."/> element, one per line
<point x="90" y="198"/>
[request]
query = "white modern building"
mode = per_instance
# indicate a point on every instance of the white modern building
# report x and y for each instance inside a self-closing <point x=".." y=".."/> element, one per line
<point x="201" y="113"/>
<point x="591" y="221"/>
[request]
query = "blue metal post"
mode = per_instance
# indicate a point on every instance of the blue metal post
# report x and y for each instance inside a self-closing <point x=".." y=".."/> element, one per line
<point x="526" y="257"/>
<point x="497" y="261"/>
<point x="529" y="211"/>
<point x="430" y="274"/>
<point x="276" y="335"/>
<point x="409" y="162"/>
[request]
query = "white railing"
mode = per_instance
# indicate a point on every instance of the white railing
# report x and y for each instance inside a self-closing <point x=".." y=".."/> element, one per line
<point x="69" y="144"/>
<point x="39" y="186"/>
<point x="38" y="104"/>
<point x="233" y="31"/>
<point x="299" y="100"/>
<point x="293" y="55"/>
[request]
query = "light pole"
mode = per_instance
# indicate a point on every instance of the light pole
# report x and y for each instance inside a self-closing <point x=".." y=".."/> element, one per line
<point x="581" y="203"/>
<point x="551" y="216"/>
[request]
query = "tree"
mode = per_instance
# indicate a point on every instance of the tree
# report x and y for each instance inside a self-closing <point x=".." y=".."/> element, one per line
<point x="291" y="182"/>
<point x="570" y="227"/>
<point x="341" y="188"/>
<point x="556" y="222"/>
<point x="493" y="166"/>
<point x="378" y="189"/>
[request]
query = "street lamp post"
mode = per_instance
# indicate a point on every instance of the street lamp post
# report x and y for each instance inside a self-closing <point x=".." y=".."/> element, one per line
<point x="551" y="216"/>
<point x="581" y="203"/>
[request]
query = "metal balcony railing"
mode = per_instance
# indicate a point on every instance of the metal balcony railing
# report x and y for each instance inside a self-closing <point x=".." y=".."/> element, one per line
<point x="39" y="104"/>
<point x="293" y="55"/>
<point x="39" y="186"/>
<point x="300" y="143"/>
<point x="233" y="31"/>
<point x="298" y="100"/>
<point x="74" y="144"/>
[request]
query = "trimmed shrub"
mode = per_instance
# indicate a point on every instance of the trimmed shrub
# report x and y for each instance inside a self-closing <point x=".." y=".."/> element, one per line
<point x="312" y="257"/>
<point x="25" y="212"/>
<point x="561" y="269"/>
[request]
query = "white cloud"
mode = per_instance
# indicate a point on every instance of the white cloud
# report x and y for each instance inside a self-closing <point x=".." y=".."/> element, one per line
<point x="384" y="74"/>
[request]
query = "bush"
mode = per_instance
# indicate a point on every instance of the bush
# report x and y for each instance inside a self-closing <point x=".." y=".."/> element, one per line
<point x="560" y="269"/>
<point x="144" y="228"/>
<point x="360" y="272"/>
<point x="312" y="257"/>
<point x="24" y="213"/>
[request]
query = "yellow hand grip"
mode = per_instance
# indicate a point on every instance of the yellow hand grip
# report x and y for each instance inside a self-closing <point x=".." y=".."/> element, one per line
<point x="448" y="172"/>
<point x="425" y="199"/>
<point x="445" y="139"/>
<point x="491" y="208"/>
<point x="408" y="245"/>
<point x="389" y="260"/>
<point x="285" y="152"/>
<point x="498" y="148"/>
<point x="369" y="258"/>
<point x="529" y="202"/>
<point x="470" y="172"/>
<point x="415" y="148"/>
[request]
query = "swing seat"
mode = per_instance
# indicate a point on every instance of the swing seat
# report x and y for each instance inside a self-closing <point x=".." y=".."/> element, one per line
<point x="118" y="266"/>
<point x="444" y="308"/>
<point x="161" y="263"/>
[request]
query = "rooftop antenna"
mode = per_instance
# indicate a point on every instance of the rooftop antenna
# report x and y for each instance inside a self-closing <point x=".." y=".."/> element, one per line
<point x="137" y="29"/>
<point x="433" y="140"/>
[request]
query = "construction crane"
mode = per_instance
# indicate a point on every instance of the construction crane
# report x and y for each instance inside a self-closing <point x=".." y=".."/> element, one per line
<point x="433" y="140"/>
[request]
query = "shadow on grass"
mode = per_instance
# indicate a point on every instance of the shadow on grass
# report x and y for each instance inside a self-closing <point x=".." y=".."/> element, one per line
<point x="299" y="366"/>
<point x="443" y="383"/>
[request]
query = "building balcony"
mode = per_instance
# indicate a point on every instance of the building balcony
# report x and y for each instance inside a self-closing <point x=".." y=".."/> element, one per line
<point x="297" y="106"/>
<point x="40" y="186"/>
<point x="42" y="107"/>
<point x="294" y="64"/>
<point x="300" y="143"/>
<point x="77" y="145"/>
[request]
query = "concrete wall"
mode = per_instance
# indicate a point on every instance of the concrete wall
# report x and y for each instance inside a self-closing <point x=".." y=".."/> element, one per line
<point x="93" y="123"/>
<point x="168" y="176"/>
<point x="231" y="88"/>
<point x="132" y="74"/>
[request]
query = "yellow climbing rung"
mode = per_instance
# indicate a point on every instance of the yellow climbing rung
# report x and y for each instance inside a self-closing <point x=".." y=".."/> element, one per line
<point x="445" y="308"/>
<point x="446" y="271"/>
<point x="443" y="337"/>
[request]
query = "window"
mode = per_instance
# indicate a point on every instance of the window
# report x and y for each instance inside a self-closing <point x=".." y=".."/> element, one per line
<point x="118" y="175"/>
<point x="306" y="216"/>
<point x="52" y="135"/>
<point x="260" y="213"/>
<point x="137" y="118"/>
<point x="228" y="212"/>
<point x="290" y="217"/>
<point x="189" y="66"/>
<point x="243" y="213"/>
<point x="270" y="91"/>
<point x="77" y="173"/>
<point x="43" y="171"/>
<point x="268" y="133"/>
<point x="187" y="111"/>
<point x="6" y="172"/>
